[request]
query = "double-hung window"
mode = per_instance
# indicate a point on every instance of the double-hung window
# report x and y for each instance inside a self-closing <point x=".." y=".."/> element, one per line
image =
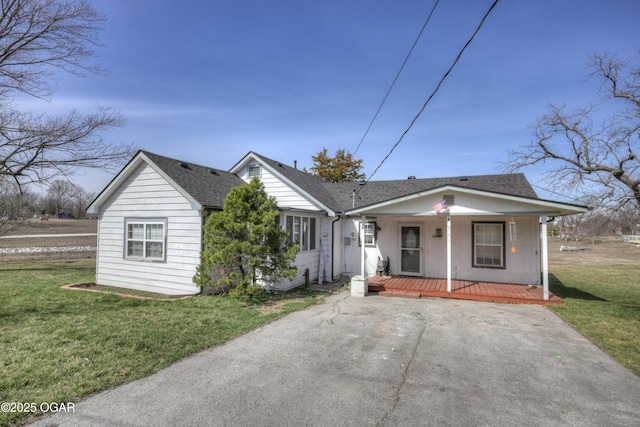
<point x="370" y="231"/>
<point x="145" y="239"/>
<point x="302" y="230"/>
<point x="488" y="244"/>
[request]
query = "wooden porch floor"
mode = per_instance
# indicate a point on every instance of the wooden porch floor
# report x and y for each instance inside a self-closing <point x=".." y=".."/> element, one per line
<point x="416" y="287"/>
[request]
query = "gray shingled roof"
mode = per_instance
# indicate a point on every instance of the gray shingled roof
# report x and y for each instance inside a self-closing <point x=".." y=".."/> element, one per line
<point x="313" y="185"/>
<point x="379" y="191"/>
<point x="210" y="188"/>
<point x="207" y="185"/>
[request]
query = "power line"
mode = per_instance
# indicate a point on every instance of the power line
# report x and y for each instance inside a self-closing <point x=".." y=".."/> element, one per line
<point x="555" y="193"/>
<point x="375" y="116"/>
<point x="434" y="91"/>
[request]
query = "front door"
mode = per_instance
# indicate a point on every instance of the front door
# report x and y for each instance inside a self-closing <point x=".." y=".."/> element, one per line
<point x="410" y="250"/>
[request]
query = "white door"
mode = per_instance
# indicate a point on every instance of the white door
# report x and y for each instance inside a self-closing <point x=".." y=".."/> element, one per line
<point x="410" y="250"/>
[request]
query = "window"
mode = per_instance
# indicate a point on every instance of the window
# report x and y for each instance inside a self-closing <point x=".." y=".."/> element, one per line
<point x="370" y="234"/>
<point x="488" y="244"/>
<point x="145" y="239"/>
<point x="370" y="231"/>
<point x="302" y="230"/>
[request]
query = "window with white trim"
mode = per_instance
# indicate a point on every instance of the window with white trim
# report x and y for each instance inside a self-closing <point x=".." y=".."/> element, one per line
<point x="145" y="239"/>
<point x="488" y="244"/>
<point x="302" y="230"/>
<point x="370" y="231"/>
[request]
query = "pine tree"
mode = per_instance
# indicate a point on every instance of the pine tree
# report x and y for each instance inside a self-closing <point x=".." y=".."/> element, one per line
<point x="246" y="243"/>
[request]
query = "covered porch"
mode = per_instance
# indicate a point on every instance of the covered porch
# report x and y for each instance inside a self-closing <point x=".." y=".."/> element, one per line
<point x="416" y="287"/>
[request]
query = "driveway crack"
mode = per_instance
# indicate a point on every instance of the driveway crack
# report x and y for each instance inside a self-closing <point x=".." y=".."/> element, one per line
<point x="335" y="312"/>
<point x="405" y="373"/>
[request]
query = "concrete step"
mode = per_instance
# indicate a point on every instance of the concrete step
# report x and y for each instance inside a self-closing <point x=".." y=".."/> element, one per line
<point x="400" y="294"/>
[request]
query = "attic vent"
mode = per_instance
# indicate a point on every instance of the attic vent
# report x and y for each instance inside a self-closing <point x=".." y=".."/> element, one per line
<point x="185" y="165"/>
<point x="463" y="178"/>
<point x="213" y="171"/>
<point x="254" y="170"/>
<point x="449" y="199"/>
<point x="411" y="177"/>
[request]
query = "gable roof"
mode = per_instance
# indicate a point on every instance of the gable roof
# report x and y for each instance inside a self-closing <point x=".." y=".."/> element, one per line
<point x="201" y="185"/>
<point x="375" y="192"/>
<point x="308" y="183"/>
<point x="208" y="186"/>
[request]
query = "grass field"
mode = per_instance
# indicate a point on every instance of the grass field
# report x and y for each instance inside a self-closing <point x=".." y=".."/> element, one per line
<point x="60" y="232"/>
<point x="603" y="303"/>
<point x="60" y="346"/>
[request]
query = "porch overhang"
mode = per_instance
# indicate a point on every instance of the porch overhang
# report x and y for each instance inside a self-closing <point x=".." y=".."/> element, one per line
<point x="410" y="205"/>
<point x="508" y="206"/>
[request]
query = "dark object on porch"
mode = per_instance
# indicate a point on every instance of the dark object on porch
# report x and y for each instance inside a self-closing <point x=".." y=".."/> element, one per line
<point x="383" y="267"/>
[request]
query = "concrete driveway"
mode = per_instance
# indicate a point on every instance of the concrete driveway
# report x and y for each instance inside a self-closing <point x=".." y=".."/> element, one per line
<point x="379" y="361"/>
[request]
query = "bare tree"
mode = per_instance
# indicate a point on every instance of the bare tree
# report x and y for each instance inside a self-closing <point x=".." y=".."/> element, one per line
<point x="80" y="202"/>
<point x="597" y="158"/>
<point x="60" y="196"/>
<point x="38" y="37"/>
<point x="15" y="206"/>
<point x="629" y="221"/>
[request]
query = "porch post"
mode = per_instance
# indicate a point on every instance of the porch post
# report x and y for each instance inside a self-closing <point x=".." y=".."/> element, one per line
<point x="545" y="257"/>
<point x="449" y="253"/>
<point x="362" y="247"/>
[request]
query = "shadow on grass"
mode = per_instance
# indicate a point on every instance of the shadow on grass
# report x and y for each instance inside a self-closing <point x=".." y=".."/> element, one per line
<point x="558" y="288"/>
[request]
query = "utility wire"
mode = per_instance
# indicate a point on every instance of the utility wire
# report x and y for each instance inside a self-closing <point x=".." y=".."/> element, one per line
<point x="554" y="192"/>
<point x="433" y="93"/>
<point x="375" y="116"/>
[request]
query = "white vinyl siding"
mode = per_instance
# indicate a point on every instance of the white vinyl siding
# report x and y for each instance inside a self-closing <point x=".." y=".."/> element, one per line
<point x="317" y="256"/>
<point x="147" y="195"/>
<point x="286" y="196"/>
<point x="302" y="230"/>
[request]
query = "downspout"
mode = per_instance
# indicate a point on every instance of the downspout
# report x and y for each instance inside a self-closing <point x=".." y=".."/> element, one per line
<point x="333" y="242"/>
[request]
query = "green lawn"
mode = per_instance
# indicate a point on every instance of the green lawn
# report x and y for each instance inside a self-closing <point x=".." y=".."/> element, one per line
<point x="603" y="303"/>
<point x="59" y="345"/>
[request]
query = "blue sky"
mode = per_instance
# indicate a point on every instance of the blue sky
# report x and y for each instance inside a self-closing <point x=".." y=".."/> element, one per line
<point x="208" y="81"/>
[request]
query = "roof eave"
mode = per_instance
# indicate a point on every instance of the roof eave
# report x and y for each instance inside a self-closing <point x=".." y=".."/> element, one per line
<point x="548" y="207"/>
<point x="128" y="169"/>
<point x="236" y="168"/>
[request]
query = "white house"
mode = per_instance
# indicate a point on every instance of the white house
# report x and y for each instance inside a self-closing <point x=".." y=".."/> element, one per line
<point x="151" y="217"/>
